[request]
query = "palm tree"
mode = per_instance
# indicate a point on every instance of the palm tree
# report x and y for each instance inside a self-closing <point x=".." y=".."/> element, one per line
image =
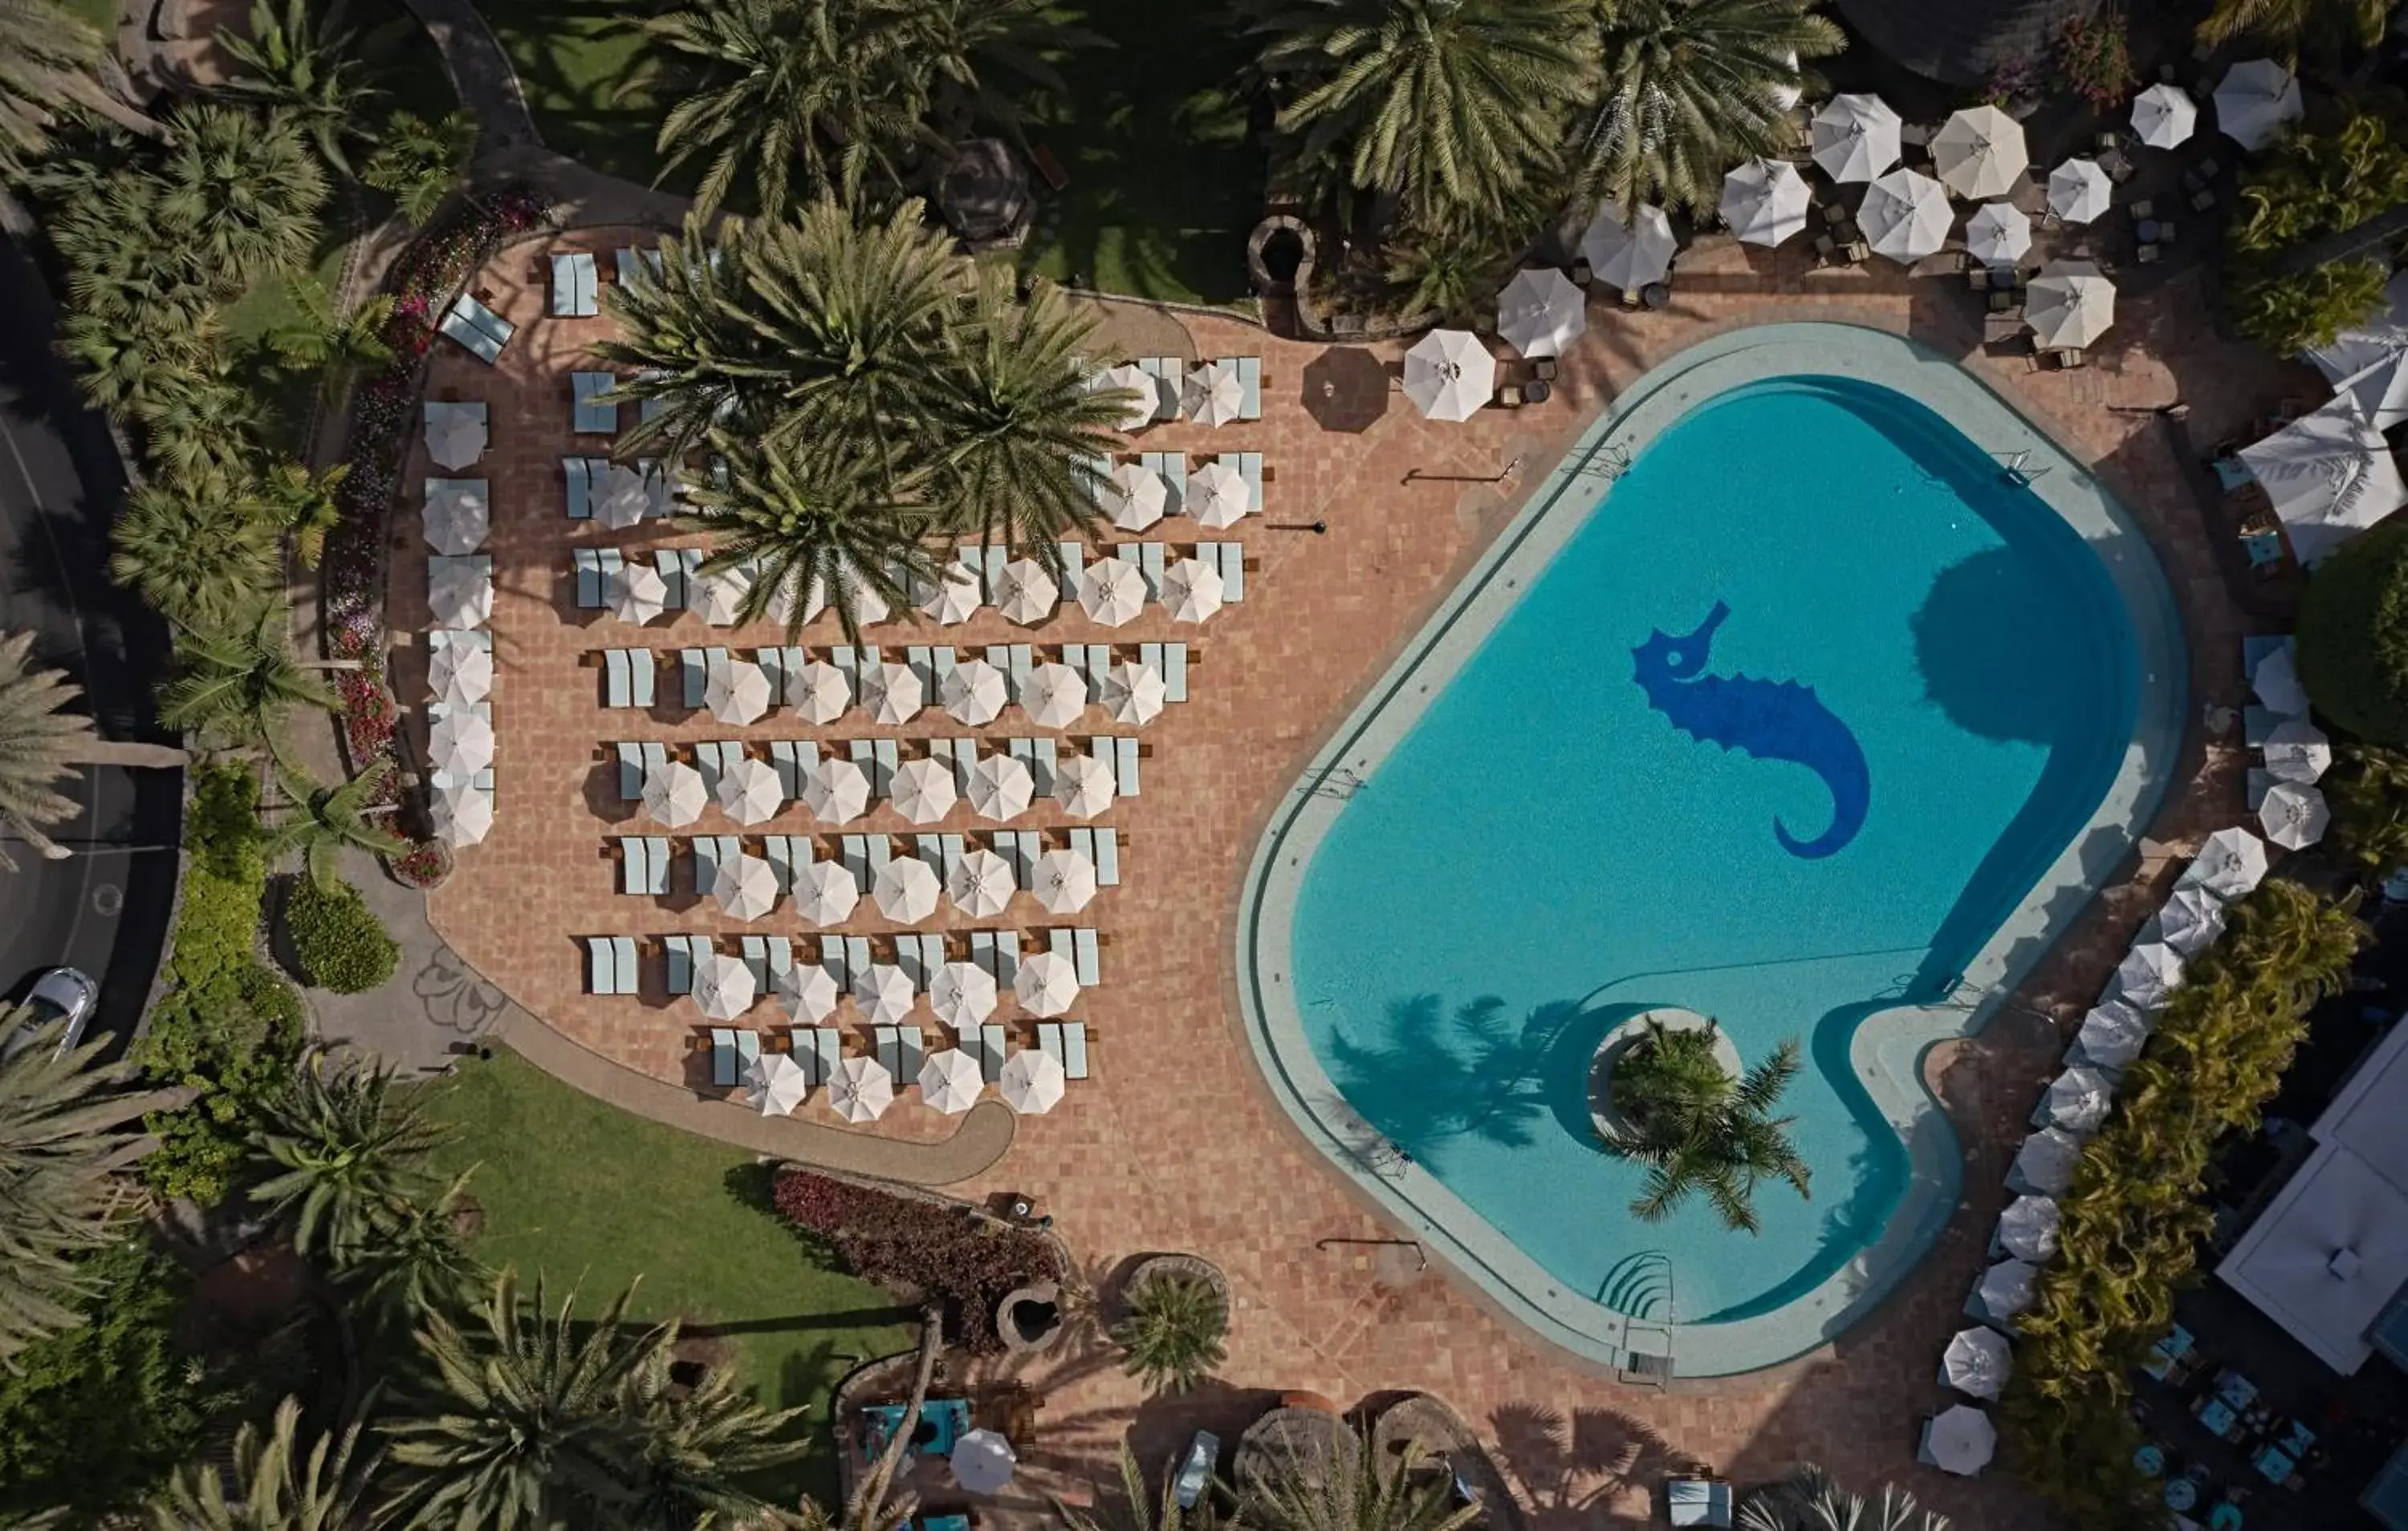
<point x="309" y="505"/>
<point x="802" y="528"/>
<point x="341" y="1150"/>
<point x="1371" y="1491"/>
<point x="1447" y="103"/>
<point x="47" y="63"/>
<point x="686" y="331"/>
<point x="418" y="162"/>
<point x="240" y="194"/>
<point x="199" y="422"/>
<point x="63" y="1147"/>
<point x="132" y="363"/>
<point x="300" y="64"/>
<point x="2369" y="807"/>
<point x="41" y="745"/>
<point x="416" y="1263"/>
<point x="273" y="1483"/>
<point x="1019" y="421"/>
<point x="1451" y="272"/>
<point x="2285" y="24"/>
<point x="235" y="687"/>
<point x="1697" y="1129"/>
<point x="1689" y="90"/>
<point x="319" y="338"/>
<point x="696" y="1445"/>
<point x="1811" y="1501"/>
<point x="197" y="551"/>
<point x="1173" y="1333"/>
<point x="1140" y="1508"/>
<point x="329" y="818"/>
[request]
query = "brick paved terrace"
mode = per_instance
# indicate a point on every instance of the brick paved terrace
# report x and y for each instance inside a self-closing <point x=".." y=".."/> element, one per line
<point x="1174" y="1142"/>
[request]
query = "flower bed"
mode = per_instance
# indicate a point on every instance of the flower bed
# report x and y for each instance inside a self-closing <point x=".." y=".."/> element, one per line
<point x="353" y="570"/>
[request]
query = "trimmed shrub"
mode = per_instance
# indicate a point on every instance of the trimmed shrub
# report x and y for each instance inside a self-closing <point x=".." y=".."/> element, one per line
<point x="340" y="943"/>
<point x="921" y="1248"/>
<point x="2354" y="637"/>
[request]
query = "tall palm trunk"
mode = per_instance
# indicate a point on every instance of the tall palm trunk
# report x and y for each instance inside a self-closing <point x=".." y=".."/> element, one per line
<point x="870" y="1497"/>
<point x="100" y="752"/>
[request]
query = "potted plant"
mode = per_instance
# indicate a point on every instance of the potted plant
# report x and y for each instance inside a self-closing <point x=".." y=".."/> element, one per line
<point x="1686" y="1112"/>
<point x="1175" y="1315"/>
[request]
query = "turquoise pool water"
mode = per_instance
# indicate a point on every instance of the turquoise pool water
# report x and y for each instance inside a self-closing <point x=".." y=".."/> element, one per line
<point x="1547" y="851"/>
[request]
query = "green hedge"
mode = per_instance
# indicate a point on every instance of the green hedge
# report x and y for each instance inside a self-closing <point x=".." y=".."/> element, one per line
<point x="229" y="1025"/>
<point x="341" y="944"/>
<point x="2354" y="637"/>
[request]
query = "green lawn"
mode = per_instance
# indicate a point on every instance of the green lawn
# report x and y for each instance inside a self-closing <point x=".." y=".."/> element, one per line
<point x="402" y="63"/>
<point x="595" y="1197"/>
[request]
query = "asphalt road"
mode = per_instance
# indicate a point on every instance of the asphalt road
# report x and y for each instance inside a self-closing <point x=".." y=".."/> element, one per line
<point x="106" y="907"/>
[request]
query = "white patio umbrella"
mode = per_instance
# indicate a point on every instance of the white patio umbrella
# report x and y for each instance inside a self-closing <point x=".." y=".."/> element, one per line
<point x="1764" y="202"/>
<point x="1146" y="389"/>
<point x="745" y="888"/>
<point x="1217" y="496"/>
<point x="2295" y="816"/>
<point x="1135" y="496"/>
<point x="949" y="1081"/>
<point x="2008" y="1288"/>
<point x="460" y="673"/>
<point x="2254" y="101"/>
<point x="2079" y="190"/>
<point x="826" y="894"/>
<point x="1191" y="589"/>
<point x="883" y="994"/>
<point x="2078" y="1101"/>
<point x="1111" y="591"/>
<point x="1063" y="880"/>
<point x="1213" y="394"/>
<point x="718" y="594"/>
<point x="454" y="517"/>
<point x="1133" y="693"/>
<point x="981" y="1461"/>
<point x="2276" y="683"/>
<point x="2297" y="751"/>
<point x="460" y="591"/>
<point x="955" y="598"/>
<point x="455" y="433"/>
<point x="1976" y="1363"/>
<point x="1979" y="152"/>
<point x="906" y="890"/>
<point x="1001" y="788"/>
<point x="463" y="813"/>
<point x="674" y="795"/>
<point x="1084" y="785"/>
<point x="2379" y="389"/>
<point x="973" y="692"/>
<point x="1449" y="374"/>
<point x="1541" y="312"/>
<point x="784" y="596"/>
<point x="962" y="994"/>
<point x="1960" y="1441"/>
<point x="861" y="1089"/>
<point x="1905" y="216"/>
<point x="1629" y="255"/>
<point x="2070" y="304"/>
<point x="2027" y="1229"/>
<point x="2330" y="474"/>
<point x="1054" y="696"/>
<point x="1786" y="92"/>
<point x="2229" y="865"/>
<point x="868" y="607"/>
<point x="1026" y="594"/>
<point x="638" y="594"/>
<point x="776" y="1083"/>
<point x="806" y="991"/>
<point x="1856" y="138"/>
<point x="749" y="792"/>
<point x="2047" y="1161"/>
<point x="835" y="790"/>
<point x="622" y="499"/>
<point x="2112" y="1035"/>
<point x="922" y="790"/>
<point x="1047" y="984"/>
<point x="460" y="743"/>
<point x="1998" y="233"/>
<point x="736" y="691"/>
<point x="1032" y="1085"/>
<point x="819" y="691"/>
<point x="893" y="693"/>
<point x="723" y="987"/>
<point x="2148" y="975"/>
<point x="2190" y="920"/>
<point x="981" y="884"/>
<point x="2164" y="116"/>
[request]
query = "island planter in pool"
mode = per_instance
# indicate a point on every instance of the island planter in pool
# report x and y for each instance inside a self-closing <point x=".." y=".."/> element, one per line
<point x="1815" y="691"/>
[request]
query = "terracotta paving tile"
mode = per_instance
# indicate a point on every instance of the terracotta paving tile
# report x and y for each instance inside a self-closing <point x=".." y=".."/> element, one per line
<point x="1196" y="1156"/>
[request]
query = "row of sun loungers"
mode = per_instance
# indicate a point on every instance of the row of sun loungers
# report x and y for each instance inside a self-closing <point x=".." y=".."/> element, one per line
<point x="680" y="568"/>
<point x="629" y="674"/>
<point x="478" y="328"/>
<point x="1170" y="374"/>
<point x="900" y="1050"/>
<point x="583" y="477"/>
<point x="611" y="960"/>
<point x="645" y="860"/>
<point x="879" y="760"/>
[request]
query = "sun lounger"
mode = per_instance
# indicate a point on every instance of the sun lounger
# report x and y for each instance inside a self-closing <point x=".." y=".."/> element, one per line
<point x="576" y="286"/>
<point x="832" y="961"/>
<point x="703" y="849"/>
<point x="474" y="340"/>
<point x="787" y="855"/>
<point x="889" y="758"/>
<point x="601" y="967"/>
<point x="790" y="761"/>
<point x="587" y="561"/>
<point x="1060" y="942"/>
<point x="574" y="474"/>
<point x="669" y="562"/>
<point x="684" y="953"/>
<point x="992" y="1053"/>
<point x="1233" y="571"/>
<point x="890" y="1049"/>
<point x="748" y="1049"/>
<point x="656" y="864"/>
<point x="1174" y="672"/>
<point x="1085" y="954"/>
<point x="1040" y="765"/>
<point x="593" y="416"/>
<point x="1150" y="566"/>
<point x="1074" y="1050"/>
<point x="631" y="771"/>
<point x="910" y="1049"/>
<point x="696" y="675"/>
<point x="765" y="957"/>
<point x="881" y="851"/>
<point x="773" y="668"/>
<point x="634" y="866"/>
<point x="827" y="1045"/>
<point x="711" y="762"/>
<point x="1250" y="380"/>
<point x="723" y="1067"/>
<point x="854" y="851"/>
<point x="973" y="1046"/>
<point x="642" y="669"/>
<point x="1249" y="468"/>
<point x="1074" y="558"/>
<point x="617" y="685"/>
<point x="1108" y="857"/>
<point x="1697" y="1501"/>
<point x="622" y="953"/>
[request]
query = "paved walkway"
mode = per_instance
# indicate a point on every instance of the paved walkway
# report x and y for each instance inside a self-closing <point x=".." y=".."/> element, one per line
<point x="480" y="73"/>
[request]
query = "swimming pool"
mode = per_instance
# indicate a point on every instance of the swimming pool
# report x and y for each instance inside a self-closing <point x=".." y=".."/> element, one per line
<point x="1784" y="702"/>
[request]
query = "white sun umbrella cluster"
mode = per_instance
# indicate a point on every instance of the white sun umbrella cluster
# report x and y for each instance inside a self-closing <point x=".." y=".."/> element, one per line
<point x="1133" y="693"/>
<point x="1979" y="152"/>
<point x="1449" y="374"/>
<point x="1144" y="390"/>
<point x="1135" y="496"/>
<point x="673" y="793"/>
<point x="893" y="693"/>
<point x="974" y="692"/>
<point x="1998" y="233"/>
<point x="905" y="890"/>
<point x="460" y="674"/>
<point x="456" y="515"/>
<point x="622" y="499"/>
<point x="2330" y="475"/>
<point x="2230" y="866"/>
<point x="460" y="590"/>
<point x="736" y="691"/>
<point x="1906" y="216"/>
<point x="2046" y="1163"/>
<point x="1026" y="593"/>
<point x="2297" y="751"/>
<point x="2257" y="99"/>
<point x="1031" y="1084"/>
<point x="2079" y="190"/>
<point x="2148" y="975"/>
<point x="2189" y="922"/>
<point x="1214" y="394"/>
<point x="1192" y="590"/>
<point x="638" y="594"/>
<point x="775" y="1083"/>
<point x="1856" y="138"/>
<point x="723" y="987"/>
<point x="2006" y="1289"/>
<point x="1765" y="202"/>
<point x="818" y="690"/>
<point x="922" y="790"/>
<point x="949" y="1081"/>
<point x="953" y="597"/>
<point x="745" y="888"/>
<point x="1628" y="254"/>
<point x="2070" y="304"/>
<point x="1053" y="694"/>
<point x="2111" y="1036"/>
<point x="962" y="994"/>
<point x="2077" y="1102"/>
<point x="1084" y="786"/>
<point x="460" y="743"/>
<point x="455" y="432"/>
<point x="806" y="993"/>
<point x="463" y="814"/>
<point x="1064" y="881"/>
<point x="1111" y="592"/>
<point x="2294" y="815"/>
<point x="1976" y="1363"/>
<point x="749" y="792"/>
<point x="826" y="894"/>
<point x="981" y="884"/>
<point x="1001" y="788"/>
<point x="1959" y="1440"/>
<point x="836" y="790"/>
<point x="861" y="1089"/>
<point x="2164" y="116"/>
<point x="1217" y="496"/>
<point x="2027" y="1229"/>
<point x="1541" y="312"/>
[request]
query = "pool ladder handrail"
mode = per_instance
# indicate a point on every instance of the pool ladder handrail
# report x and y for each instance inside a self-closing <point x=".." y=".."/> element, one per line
<point x="1635" y="1287"/>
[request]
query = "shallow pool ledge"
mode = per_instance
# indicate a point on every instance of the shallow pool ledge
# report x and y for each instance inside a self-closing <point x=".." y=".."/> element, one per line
<point x="1888" y="1046"/>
